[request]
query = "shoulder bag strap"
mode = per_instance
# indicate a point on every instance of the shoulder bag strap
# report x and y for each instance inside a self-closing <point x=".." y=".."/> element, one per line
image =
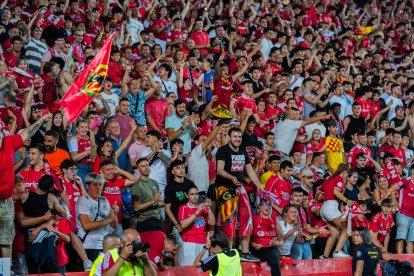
<point x="96" y="217"/>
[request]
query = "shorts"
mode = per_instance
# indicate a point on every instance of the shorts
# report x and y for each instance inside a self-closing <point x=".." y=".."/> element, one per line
<point x="405" y="229"/>
<point x="6" y="221"/>
<point x="189" y="252"/>
<point x="330" y="210"/>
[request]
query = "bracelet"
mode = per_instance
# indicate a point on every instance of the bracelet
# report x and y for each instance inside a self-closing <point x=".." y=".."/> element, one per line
<point x="123" y="258"/>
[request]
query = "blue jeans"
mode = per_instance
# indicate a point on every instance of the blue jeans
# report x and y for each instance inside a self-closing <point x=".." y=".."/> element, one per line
<point x="301" y="251"/>
<point x="83" y="170"/>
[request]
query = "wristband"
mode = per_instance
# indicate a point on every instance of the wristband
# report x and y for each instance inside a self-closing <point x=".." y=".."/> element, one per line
<point x="123" y="258"/>
<point x="206" y="248"/>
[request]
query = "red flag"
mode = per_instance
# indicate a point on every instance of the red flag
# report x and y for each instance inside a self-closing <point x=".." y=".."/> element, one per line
<point x="88" y="84"/>
<point x="52" y="19"/>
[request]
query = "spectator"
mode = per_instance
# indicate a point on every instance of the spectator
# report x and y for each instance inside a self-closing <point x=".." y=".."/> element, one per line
<point x="194" y="218"/>
<point x="54" y="156"/>
<point x="146" y="197"/>
<point x="95" y="217"/>
<point x="110" y="242"/>
<point x="281" y="186"/>
<point x="289" y="229"/>
<point x="179" y="125"/>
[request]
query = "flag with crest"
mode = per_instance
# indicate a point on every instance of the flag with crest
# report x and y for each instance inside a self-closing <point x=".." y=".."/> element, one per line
<point x="88" y="84"/>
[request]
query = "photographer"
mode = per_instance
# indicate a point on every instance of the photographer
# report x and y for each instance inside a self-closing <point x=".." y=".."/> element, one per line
<point x="127" y="261"/>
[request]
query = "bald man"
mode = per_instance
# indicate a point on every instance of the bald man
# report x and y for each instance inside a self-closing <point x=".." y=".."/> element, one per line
<point x="110" y="241"/>
<point x="125" y="262"/>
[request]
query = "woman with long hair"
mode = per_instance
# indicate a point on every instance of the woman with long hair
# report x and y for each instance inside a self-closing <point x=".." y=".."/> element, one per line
<point x="59" y="123"/>
<point x="382" y="192"/>
<point x="289" y="229"/>
<point x="366" y="256"/>
<point x="333" y="189"/>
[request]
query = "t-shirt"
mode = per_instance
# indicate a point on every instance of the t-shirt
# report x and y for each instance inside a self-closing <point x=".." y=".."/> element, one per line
<point x="56" y="158"/>
<point x="406" y="198"/>
<point x="73" y="192"/>
<point x="198" y="169"/>
<point x="88" y="206"/>
<point x="212" y="262"/>
<point x="175" y="123"/>
<point x="330" y="184"/>
<point x="142" y="192"/>
<point x="158" y="171"/>
<point x="234" y="163"/>
<point x="334" y="152"/>
<point x="381" y="225"/>
<point x="285" y="134"/>
<point x="195" y="232"/>
<point x="286" y="246"/>
<point x="264" y="230"/>
<point x="352" y="160"/>
<point x="31" y="177"/>
<point x="112" y="100"/>
<point x="175" y="194"/>
<point x="156" y="240"/>
<point x="158" y="109"/>
<point x="9" y="146"/>
<point x="281" y="188"/>
<point x="112" y="192"/>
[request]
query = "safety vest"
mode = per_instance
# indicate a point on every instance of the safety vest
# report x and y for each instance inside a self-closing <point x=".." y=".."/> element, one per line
<point x="228" y="265"/>
<point x="98" y="261"/>
<point x="127" y="268"/>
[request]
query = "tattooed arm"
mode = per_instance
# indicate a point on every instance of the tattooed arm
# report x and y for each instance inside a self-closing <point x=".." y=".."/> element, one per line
<point x="31" y="130"/>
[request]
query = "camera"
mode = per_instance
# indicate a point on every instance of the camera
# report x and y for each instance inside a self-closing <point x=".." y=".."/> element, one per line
<point x="137" y="246"/>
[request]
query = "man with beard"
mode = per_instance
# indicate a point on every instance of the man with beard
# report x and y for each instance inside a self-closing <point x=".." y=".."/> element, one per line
<point x="178" y="125"/>
<point x="232" y="200"/>
<point x="54" y="155"/>
<point x="312" y="100"/>
<point x="36" y="114"/>
<point x="201" y="38"/>
<point x="125" y="121"/>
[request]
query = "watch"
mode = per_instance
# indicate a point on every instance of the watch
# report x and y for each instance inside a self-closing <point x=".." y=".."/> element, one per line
<point x="206" y="248"/>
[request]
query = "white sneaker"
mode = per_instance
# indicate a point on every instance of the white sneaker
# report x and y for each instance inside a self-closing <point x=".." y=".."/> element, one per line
<point x="322" y="257"/>
<point x="340" y="254"/>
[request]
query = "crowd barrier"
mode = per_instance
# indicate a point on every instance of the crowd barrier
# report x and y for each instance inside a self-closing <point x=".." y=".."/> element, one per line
<point x="337" y="267"/>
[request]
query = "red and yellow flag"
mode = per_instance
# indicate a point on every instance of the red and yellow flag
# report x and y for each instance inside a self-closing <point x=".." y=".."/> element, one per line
<point x="88" y="84"/>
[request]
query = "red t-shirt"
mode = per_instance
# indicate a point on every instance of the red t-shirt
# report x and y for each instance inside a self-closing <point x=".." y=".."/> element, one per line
<point x="245" y="103"/>
<point x="398" y="154"/>
<point x="73" y="192"/>
<point x="174" y="35"/>
<point x="330" y="184"/>
<point x="10" y="59"/>
<point x="16" y="111"/>
<point x="158" y="109"/>
<point x="156" y="239"/>
<point x="160" y="23"/>
<point x="201" y="38"/>
<point x="116" y="73"/>
<point x="63" y="226"/>
<point x="406" y="198"/>
<point x="366" y="107"/>
<point x="360" y="222"/>
<point x="316" y="221"/>
<point x="264" y="230"/>
<point x="186" y="95"/>
<point x="195" y="232"/>
<point x="112" y="192"/>
<point x="222" y="89"/>
<point x="261" y="131"/>
<point x="352" y="160"/>
<point x="375" y="108"/>
<point x="312" y="148"/>
<point x="271" y="112"/>
<point x="381" y="225"/>
<point x="384" y="148"/>
<point x="31" y="177"/>
<point x="281" y="188"/>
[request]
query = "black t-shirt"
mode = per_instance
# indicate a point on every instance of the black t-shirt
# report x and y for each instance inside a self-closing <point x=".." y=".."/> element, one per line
<point x="249" y="140"/>
<point x="175" y="194"/>
<point x="234" y="163"/>
<point x="371" y="257"/>
<point x="212" y="263"/>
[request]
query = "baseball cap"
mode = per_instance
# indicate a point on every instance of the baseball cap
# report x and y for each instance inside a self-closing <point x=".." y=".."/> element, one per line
<point x="307" y="173"/>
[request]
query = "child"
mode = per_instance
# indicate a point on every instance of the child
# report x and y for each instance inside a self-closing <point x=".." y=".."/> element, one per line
<point x="382" y="223"/>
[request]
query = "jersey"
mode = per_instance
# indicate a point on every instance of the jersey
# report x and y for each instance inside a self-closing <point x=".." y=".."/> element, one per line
<point x="334" y="152"/>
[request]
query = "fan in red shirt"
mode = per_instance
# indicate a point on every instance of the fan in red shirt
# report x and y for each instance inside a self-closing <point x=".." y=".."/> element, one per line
<point x="244" y="102"/>
<point x="12" y="57"/>
<point x="281" y="186"/>
<point x="177" y="36"/>
<point x="366" y="103"/>
<point x="332" y="189"/>
<point x="272" y="110"/>
<point x="117" y="72"/>
<point x="382" y="223"/>
<point x="360" y="148"/>
<point x="161" y="24"/>
<point x="201" y="38"/>
<point x="397" y="150"/>
<point x="260" y="131"/>
<point x="160" y="244"/>
<point x="113" y="185"/>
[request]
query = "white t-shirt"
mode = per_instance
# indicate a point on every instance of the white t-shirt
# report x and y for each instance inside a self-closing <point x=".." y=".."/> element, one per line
<point x="158" y="171"/>
<point x="112" y="100"/>
<point x="285" y="135"/>
<point x="87" y="206"/>
<point x="288" y="242"/>
<point x="169" y="85"/>
<point x="198" y="168"/>
<point x="134" y="27"/>
<point x="396" y="102"/>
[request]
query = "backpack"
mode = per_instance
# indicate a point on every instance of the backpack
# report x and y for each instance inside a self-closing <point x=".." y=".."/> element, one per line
<point x="395" y="267"/>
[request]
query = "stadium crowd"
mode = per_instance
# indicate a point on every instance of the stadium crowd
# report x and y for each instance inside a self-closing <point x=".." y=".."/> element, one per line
<point x="224" y="131"/>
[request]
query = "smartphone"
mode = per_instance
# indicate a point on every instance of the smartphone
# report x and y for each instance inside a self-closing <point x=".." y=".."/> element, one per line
<point x="96" y="123"/>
